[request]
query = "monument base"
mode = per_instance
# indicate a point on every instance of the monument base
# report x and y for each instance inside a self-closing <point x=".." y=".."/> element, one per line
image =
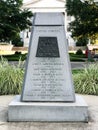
<point x="48" y="111"/>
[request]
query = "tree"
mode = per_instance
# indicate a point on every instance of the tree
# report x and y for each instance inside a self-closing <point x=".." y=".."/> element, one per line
<point x="82" y="41"/>
<point x="85" y="13"/>
<point x="13" y="19"/>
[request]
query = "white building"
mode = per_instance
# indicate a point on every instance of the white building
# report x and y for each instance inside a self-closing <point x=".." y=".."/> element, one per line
<point x="47" y="6"/>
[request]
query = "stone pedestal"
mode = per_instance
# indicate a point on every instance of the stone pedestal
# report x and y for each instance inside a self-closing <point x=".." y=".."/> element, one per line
<point x="49" y="111"/>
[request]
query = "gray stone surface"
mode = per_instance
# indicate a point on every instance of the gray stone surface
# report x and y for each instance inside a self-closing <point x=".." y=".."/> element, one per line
<point x="49" y="19"/>
<point x="92" y="102"/>
<point x="35" y="111"/>
<point x="48" y="78"/>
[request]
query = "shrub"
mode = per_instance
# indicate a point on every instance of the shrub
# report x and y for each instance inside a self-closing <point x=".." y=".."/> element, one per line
<point x="11" y="77"/>
<point x="79" y="52"/>
<point x="18" y="53"/>
<point x="87" y="81"/>
<point x="17" y="42"/>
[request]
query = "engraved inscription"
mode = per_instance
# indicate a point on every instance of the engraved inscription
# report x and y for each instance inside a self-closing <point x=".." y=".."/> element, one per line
<point x="47" y="47"/>
<point x="48" y="81"/>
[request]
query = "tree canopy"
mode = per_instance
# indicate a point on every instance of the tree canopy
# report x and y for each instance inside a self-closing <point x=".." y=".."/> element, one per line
<point x="85" y="13"/>
<point x="13" y="19"/>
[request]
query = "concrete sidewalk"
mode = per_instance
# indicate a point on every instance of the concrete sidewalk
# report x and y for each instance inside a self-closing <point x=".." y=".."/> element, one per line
<point x="92" y="102"/>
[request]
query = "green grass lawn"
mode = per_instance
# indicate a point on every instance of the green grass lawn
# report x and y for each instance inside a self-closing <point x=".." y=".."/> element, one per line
<point x="77" y="71"/>
<point x="78" y="56"/>
<point x="75" y="57"/>
<point x="15" y="57"/>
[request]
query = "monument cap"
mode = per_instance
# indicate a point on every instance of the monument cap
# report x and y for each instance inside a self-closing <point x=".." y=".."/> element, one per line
<point x="50" y="19"/>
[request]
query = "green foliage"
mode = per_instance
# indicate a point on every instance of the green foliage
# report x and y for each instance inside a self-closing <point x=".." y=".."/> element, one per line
<point x="86" y="18"/>
<point x="77" y="58"/>
<point x="11" y="77"/>
<point x="16" y="57"/>
<point x="17" y="42"/>
<point x="17" y="53"/>
<point x="86" y="82"/>
<point x="12" y="19"/>
<point x="79" y="52"/>
<point x="82" y="41"/>
<point x="77" y="71"/>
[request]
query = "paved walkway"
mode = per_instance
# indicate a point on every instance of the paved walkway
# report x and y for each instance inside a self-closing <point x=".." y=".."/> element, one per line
<point x="92" y="102"/>
<point x="78" y="65"/>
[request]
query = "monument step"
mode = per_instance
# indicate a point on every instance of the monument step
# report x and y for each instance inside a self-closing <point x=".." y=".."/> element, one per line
<point x="41" y="111"/>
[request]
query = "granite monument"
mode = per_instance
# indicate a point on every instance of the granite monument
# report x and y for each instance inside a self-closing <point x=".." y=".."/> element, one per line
<point x="48" y="90"/>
